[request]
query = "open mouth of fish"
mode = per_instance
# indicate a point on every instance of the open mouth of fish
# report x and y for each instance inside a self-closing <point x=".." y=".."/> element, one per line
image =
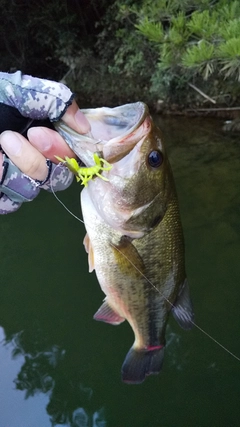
<point x="114" y="132"/>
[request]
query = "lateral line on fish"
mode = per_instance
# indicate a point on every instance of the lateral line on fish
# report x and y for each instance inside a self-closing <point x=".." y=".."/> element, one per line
<point x="143" y="275"/>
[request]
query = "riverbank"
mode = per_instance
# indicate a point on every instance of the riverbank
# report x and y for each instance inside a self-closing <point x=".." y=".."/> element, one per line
<point x="196" y="111"/>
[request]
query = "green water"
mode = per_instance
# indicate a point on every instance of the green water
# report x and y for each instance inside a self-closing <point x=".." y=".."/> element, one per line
<point x="60" y="367"/>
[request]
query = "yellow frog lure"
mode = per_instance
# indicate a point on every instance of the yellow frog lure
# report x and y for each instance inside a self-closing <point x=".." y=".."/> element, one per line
<point x="85" y="174"/>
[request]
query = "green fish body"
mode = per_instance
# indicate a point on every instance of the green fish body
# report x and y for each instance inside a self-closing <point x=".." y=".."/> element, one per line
<point x="134" y="239"/>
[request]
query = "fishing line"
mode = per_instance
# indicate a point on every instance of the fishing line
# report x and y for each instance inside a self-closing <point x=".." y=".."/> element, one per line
<point x="143" y="275"/>
<point x="56" y="197"/>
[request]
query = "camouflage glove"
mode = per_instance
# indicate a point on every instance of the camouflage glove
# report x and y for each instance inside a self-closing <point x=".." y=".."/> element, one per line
<point x="28" y="101"/>
<point x="33" y="97"/>
<point x="16" y="187"/>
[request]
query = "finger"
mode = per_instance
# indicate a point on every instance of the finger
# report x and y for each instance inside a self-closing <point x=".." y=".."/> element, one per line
<point x="60" y="178"/>
<point x="15" y="186"/>
<point x="26" y="157"/>
<point x="49" y="143"/>
<point x="1" y="166"/>
<point x="76" y="119"/>
<point x="7" y="205"/>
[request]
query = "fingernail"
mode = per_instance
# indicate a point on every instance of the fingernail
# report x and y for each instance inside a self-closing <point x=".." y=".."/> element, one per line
<point x="11" y="143"/>
<point x="40" y="138"/>
<point x="82" y="122"/>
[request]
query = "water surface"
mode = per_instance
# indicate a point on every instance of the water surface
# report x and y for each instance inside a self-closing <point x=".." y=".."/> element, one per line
<point x="58" y="367"/>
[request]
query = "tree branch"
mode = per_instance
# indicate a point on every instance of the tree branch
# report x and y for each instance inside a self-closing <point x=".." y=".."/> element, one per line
<point x="202" y="93"/>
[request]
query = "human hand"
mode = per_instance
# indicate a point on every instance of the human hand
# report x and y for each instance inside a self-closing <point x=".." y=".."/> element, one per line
<point x="27" y="158"/>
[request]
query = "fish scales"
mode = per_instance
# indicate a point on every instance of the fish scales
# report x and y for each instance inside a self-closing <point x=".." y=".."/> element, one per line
<point x="134" y="235"/>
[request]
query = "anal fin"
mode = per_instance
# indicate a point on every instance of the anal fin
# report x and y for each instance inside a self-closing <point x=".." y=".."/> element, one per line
<point x="106" y="314"/>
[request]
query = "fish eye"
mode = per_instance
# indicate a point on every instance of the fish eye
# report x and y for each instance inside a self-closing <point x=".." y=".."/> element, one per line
<point x="155" y="158"/>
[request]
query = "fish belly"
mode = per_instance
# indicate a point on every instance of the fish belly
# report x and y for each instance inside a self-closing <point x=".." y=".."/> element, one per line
<point x="120" y="272"/>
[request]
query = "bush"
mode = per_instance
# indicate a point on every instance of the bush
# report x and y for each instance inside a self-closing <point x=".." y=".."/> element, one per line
<point x="111" y="52"/>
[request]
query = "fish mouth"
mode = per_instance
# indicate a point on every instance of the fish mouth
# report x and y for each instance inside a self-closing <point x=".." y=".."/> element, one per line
<point x="114" y="132"/>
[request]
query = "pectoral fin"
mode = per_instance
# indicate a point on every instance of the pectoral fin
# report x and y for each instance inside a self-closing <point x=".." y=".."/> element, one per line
<point x="128" y="259"/>
<point x="183" y="310"/>
<point x="106" y="314"/>
<point x="89" y="250"/>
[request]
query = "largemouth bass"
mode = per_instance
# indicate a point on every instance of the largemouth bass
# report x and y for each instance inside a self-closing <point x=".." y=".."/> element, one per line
<point x="134" y="236"/>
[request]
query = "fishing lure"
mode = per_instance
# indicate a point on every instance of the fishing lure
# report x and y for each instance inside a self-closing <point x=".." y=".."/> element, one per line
<point x="85" y="174"/>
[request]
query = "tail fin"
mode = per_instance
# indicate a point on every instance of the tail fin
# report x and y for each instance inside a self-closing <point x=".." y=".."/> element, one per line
<point x="139" y="363"/>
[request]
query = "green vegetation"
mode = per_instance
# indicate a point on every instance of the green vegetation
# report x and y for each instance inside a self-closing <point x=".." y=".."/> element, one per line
<point x="196" y="42"/>
<point x="120" y="51"/>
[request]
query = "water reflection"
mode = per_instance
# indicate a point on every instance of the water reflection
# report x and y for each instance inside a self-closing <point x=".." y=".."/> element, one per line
<point x="39" y="373"/>
<point x="80" y="418"/>
<point x="47" y="319"/>
<point x="69" y="402"/>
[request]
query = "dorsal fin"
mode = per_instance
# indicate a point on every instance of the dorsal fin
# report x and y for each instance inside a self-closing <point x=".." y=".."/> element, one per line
<point x="183" y="309"/>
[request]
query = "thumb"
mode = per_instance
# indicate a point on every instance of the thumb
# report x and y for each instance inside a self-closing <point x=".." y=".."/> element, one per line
<point x="76" y="119"/>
